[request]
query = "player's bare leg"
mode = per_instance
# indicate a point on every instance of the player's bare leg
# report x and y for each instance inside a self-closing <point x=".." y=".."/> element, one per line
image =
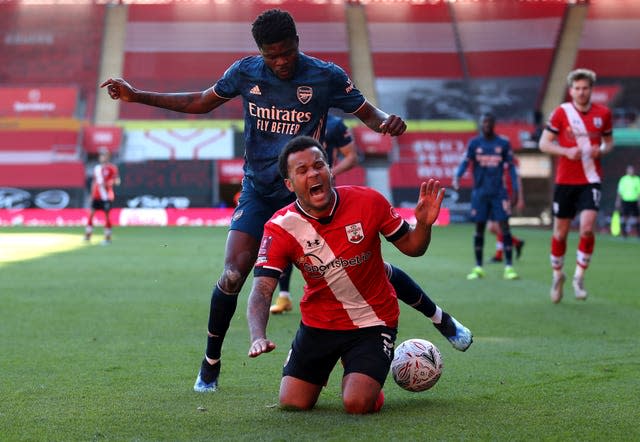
<point x="296" y="394"/>
<point x="360" y="394"/>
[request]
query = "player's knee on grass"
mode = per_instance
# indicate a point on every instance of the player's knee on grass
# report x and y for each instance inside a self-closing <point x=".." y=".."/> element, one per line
<point x="298" y="395"/>
<point x="360" y="393"/>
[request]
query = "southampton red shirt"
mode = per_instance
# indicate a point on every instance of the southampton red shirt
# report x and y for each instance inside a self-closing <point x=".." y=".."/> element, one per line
<point x="104" y="176"/>
<point x="587" y="128"/>
<point x="339" y="257"/>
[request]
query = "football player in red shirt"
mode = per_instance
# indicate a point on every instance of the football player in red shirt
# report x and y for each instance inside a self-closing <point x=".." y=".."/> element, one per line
<point x="349" y="309"/>
<point x="579" y="133"/>
<point x="105" y="177"/>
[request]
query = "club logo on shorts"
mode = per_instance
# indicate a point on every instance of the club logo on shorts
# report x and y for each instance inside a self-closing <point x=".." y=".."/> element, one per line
<point x="237" y="214"/>
<point x="304" y="93"/>
<point x="355" y="234"/>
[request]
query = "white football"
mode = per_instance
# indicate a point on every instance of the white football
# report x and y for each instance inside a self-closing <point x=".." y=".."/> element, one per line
<point x="416" y="365"/>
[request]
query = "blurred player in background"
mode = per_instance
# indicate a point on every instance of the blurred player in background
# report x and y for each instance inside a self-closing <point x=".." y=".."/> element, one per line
<point x="627" y="201"/>
<point x="285" y="93"/>
<point x="494" y="226"/>
<point x="105" y="176"/>
<point x="349" y="310"/>
<point x="579" y="132"/>
<point x="489" y="154"/>
<point x="340" y="141"/>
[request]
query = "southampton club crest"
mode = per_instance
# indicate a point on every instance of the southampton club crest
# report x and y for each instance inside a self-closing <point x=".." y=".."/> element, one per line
<point x="597" y="122"/>
<point x="355" y="234"/>
<point x="304" y="93"/>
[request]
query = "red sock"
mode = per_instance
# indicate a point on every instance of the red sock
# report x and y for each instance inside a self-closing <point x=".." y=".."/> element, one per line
<point x="585" y="250"/>
<point x="558" y="249"/>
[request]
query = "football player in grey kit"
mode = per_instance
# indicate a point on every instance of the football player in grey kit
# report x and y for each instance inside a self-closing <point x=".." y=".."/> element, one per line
<point x="285" y="93"/>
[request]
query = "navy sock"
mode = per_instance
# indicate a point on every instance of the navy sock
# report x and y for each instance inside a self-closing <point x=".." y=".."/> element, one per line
<point x="478" y="246"/>
<point x="223" y="307"/>
<point x="409" y="292"/>
<point x="285" y="278"/>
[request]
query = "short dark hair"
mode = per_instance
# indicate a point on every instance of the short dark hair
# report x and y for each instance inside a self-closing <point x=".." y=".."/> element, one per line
<point x="487" y="116"/>
<point x="294" y="145"/>
<point x="273" y="26"/>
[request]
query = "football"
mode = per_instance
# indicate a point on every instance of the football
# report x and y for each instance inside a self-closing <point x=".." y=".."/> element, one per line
<point x="416" y="365"/>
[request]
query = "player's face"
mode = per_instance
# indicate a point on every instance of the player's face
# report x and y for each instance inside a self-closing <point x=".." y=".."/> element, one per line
<point x="281" y="57"/>
<point x="311" y="180"/>
<point x="580" y="92"/>
<point x="487" y="125"/>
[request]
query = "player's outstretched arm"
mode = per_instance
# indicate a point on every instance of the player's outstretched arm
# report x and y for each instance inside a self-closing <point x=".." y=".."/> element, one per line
<point x="258" y="314"/>
<point x="416" y="241"/>
<point x="380" y="121"/>
<point x="186" y="102"/>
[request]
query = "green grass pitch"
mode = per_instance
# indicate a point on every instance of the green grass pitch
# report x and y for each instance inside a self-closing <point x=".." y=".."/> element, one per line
<point x="104" y="343"/>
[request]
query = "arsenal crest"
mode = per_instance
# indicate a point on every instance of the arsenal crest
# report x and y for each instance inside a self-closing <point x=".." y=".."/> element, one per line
<point x="355" y="234"/>
<point x="304" y="94"/>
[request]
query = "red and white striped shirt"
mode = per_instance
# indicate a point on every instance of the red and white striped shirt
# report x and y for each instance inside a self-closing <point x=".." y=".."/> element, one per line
<point x="583" y="129"/>
<point x="104" y="177"/>
<point x="340" y="259"/>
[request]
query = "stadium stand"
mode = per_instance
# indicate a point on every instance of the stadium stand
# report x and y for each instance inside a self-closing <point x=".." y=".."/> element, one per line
<point x="508" y="39"/>
<point x="49" y="45"/>
<point x="178" y="48"/>
<point x="423" y="35"/>
<point x="609" y="45"/>
<point x="456" y="60"/>
<point x="38" y="146"/>
<point x="67" y="174"/>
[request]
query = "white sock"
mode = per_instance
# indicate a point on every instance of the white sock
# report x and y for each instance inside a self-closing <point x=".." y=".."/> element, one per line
<point x="437" y="316"/>
<point x="284" y="295"/>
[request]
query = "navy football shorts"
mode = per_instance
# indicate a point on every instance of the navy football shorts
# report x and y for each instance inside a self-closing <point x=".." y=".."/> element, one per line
<point x="314" y="352"/>
<point x="254" y="210"/>
<point x="490" y="207"/>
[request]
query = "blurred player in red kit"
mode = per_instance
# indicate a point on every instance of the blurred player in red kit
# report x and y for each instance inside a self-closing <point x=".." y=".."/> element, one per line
<point x="105" y="176"/>
<point x="579" y="132"/>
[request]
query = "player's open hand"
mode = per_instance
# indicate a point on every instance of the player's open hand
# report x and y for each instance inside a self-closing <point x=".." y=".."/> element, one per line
<point x="119" y="89"/>
<point x="261" y="345"/>
<point x="429" y="202"/>
<point x="393" y="126"/>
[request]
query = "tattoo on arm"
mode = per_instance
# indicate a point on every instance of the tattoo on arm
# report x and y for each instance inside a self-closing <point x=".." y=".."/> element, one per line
<point x="258" y="306"/>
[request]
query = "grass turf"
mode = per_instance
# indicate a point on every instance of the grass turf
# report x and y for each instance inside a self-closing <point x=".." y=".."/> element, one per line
<point x="104" y="343"/>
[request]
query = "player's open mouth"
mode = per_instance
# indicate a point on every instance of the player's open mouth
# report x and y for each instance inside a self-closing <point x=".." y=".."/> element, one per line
<point x="316" y="189"/>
